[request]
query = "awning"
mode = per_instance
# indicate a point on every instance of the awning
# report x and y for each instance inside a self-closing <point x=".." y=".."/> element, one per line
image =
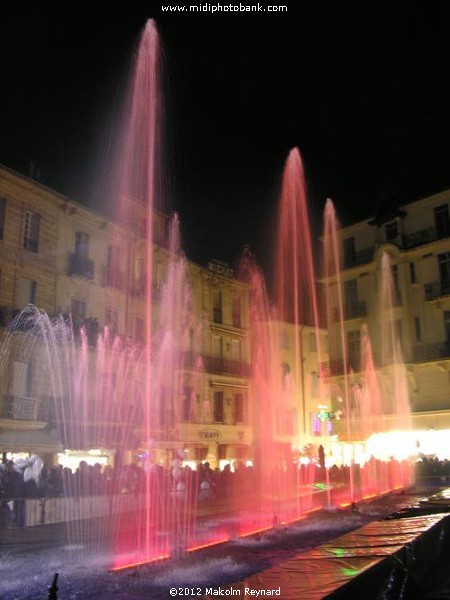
<point x="33" y="441"/>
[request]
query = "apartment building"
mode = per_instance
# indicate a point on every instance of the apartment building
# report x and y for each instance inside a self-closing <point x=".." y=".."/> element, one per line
<point x="75" y="264"/>
<point x="416" y="238"/>
<point x="84" y="399"/>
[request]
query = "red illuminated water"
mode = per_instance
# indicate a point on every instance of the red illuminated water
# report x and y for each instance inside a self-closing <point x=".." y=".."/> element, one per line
<point x="368" y="407"/>
<point x="295" y="285"/>
<point x="110" y="392"/>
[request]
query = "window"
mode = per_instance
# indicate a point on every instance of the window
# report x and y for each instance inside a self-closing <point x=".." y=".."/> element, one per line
<point x="442" y="221"/>
<point x="312" y="342"/>
<point x="237" y="310"/>
<point x="418" y="329"/>
<point x="236" y="350"/>
<point x="112" y="320"/>
<point x="286" y="422"/>
<point x="139" y="329"/>
<point x="238" y="408"/>
<point x="188" y="403"/>
<point x="284" y="340"/>
<point x="412" y="272"/>
<point x="286" y="376"/>
<point x="398" y="332"/>
<point x="217" y="346"/>
<point x="349" y="252"/>
<point x="22" y="380"/>
<point x="350" y="292"/>
<point x="26" y="293"/>
<point x="138" y="287"/>
<point x="164" y="411"/>
<point x="354" y="348"/>
<point x="2" y="216"/>
<point x="82" y="245"/>
<point x="217" y="306"/>
<point x="395" y="277"/>
<point x="80" y="263"/>
<point x="78" y="309"/>
<point x="218" y="407"/>
<point x="160" y="276"/>
<point x="113" y="275"/>
<point x="31" y="231"/>
<point x="444" y="271"/>
<point x="447" y="325"/>
<point x="391" y="231"/>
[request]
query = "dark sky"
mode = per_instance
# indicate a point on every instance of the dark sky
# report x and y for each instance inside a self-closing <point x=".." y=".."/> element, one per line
<point x="360" y="87"/>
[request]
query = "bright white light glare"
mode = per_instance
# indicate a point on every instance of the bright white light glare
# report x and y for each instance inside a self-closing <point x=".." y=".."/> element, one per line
<point x="191" y="464"/>
<point x="399" y="445"/>
<point x="224" y="462"/>
<point x="72" y="459"/>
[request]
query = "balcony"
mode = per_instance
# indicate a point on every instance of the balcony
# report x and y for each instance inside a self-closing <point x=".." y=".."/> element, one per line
<point x="7" y="314"/>
<point x="217" y="316"/>
<point x="425" y="236"/>
<point x="24" y="409"/>
<point x="437" y="289"/>
<point x="352" y="310"/>
<point x="80" y="265"/>
<point x="419" y="238"/>
<point x="430" y="352"/>
<point x="336" y="366"/>
<point x="224" y="366"/>
<point x="362" y="257"/>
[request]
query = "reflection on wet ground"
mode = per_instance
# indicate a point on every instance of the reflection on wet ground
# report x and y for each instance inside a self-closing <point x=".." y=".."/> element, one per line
<point x="27" y="564"/>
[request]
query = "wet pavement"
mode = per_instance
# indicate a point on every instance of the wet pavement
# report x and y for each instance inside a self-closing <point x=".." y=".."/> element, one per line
<point x="29" y="558"/>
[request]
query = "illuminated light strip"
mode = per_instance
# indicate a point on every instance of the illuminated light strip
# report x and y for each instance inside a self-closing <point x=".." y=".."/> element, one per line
<point x="369" y="496"/>
<point x="293" y="520"/>
<point x="255" y="531"/>
<point x="141" y="563"/>
<point x="344" y="504"/>
<point x="208" y="545"/>
<point x="311" y="510"/>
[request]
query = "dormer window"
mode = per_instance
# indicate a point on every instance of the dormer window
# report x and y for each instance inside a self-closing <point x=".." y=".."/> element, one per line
<point x="442" y="221"/>
<point x="391" y="231"/>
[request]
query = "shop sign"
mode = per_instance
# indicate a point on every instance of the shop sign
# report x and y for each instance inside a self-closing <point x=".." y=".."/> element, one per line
<point x="209" y="434"/>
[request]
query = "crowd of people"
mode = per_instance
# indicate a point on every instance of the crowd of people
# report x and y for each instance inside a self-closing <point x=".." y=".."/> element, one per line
<point x="431" y="468"/>
<point x="201" y="484"/>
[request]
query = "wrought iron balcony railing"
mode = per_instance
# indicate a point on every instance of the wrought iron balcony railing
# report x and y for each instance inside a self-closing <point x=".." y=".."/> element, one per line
<point x="361" y="257"/>
<point x="337" y="366"/>
<point x="7" y="314"/>
<point x="425" y="236"/>
<point x="437" y="289"/>
<point x="430" y="352"/>
<point x="353" y="310"/>
<point x="214" y="364"/>
<point x="419" y="238"/>
<point x="80" y="265"/>
<point x="19" y="408"/>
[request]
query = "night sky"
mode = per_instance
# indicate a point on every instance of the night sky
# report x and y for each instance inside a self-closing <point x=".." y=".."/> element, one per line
<point x="360" y="87"/>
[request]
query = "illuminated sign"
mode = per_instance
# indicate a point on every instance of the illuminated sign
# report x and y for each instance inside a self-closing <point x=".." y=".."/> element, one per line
<point x="209" y="434"/>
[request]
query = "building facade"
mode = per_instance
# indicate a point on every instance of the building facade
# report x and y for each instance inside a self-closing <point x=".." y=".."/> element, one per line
<point x="78" y="266"/>
<point x="80" y="394"/>
<point x="416" y="239"/>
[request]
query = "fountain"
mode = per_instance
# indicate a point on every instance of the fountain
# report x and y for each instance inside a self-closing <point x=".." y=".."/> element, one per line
<point x="367" y="408"/>
<point x="107" y="391"/>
